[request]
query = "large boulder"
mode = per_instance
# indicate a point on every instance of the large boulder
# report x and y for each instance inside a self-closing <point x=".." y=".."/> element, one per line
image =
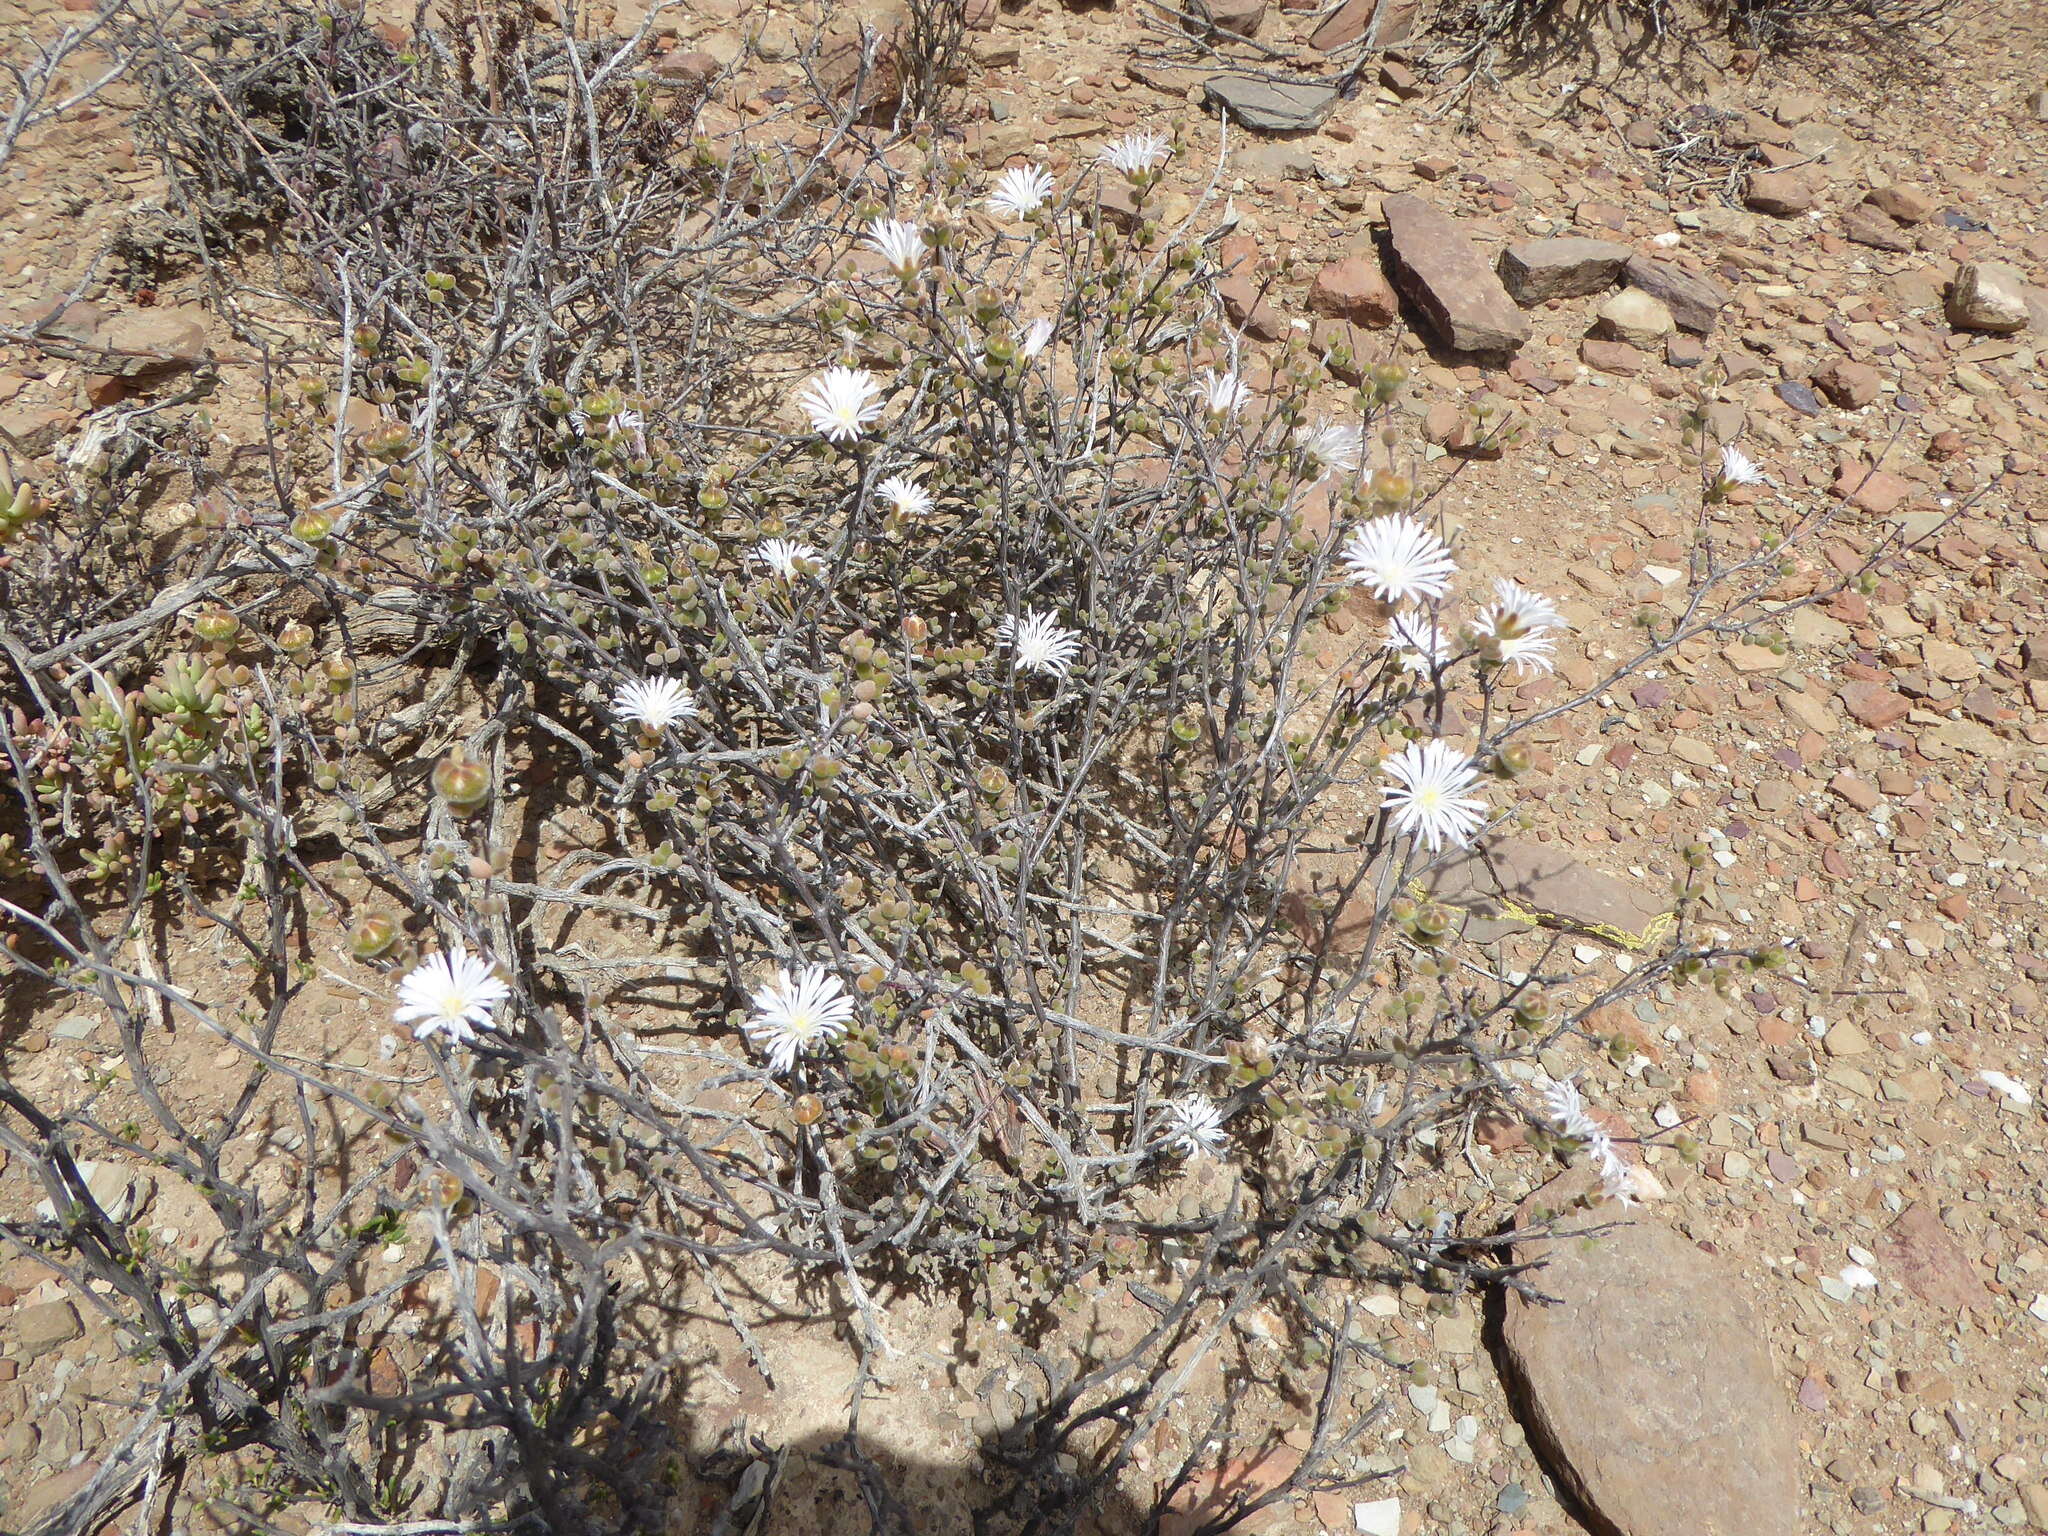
<point x="1650" y="1387"/>
<point x="1441" y="270"/>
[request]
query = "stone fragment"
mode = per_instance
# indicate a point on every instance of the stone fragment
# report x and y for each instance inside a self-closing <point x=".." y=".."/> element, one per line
<point x="1633" y="316"/>
<point x="1988" y="296"/>
<point x="1271" y="106"/>
<point x="146" y="340"/>
<point x="1615" y="357"/>
<point x="1850" y="384"/>
<point x="1782" y="194"/>
<point x="1695" y="302"/>
<point x="1239" y="16"/>
<point x="1647" y="1319"/>
<point x="1449" y="281"/>
<point x="1875" y="491"/>
<point x="1381" y="23"/>
<point x="1873" y="704"/>
<point x="1354" y="289"/>
<point x="1866" y="226"/>
<point x="1902" y="203"/>
<point x="1279" y="162"/>
<point x="47" y="1326"/>
<point x="1536" y="270"/>
<point x="1926" y="1258"/>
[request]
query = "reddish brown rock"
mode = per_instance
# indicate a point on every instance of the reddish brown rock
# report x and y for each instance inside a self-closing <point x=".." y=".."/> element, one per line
<point x="1536" y="270"/>
<point x="1873" y="704"/>
<point x="1616" y="357"/>
<point x="1866" y="226"/>
<point x="1239" y="16"/>
<point x="1354" y="289"/>
<point x="1902" y="203"/>
<point x="1449" y="281"/>
<point x="1381" y="23"/>
<point x="1873" y="490"/>
<point x="1782" y="194"/>
<point x="1926" y="1258"/>
<point x="1851" y="385"/>
<point x="1650" y="1321"/>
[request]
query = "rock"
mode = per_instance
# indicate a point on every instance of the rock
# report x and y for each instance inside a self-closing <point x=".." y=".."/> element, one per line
<point x="51" y="1495"/>
<point x="1902" y="204"/>
<point x="1615" y="357"/>
<point x="1354" y="289"/>
<point x="1872" y="490"/>
<point x="49" y="1326"/>
<point x="1381" y="23"/>
<point x="1866" y="226"/>
<point x="1377" y="1517"/>
<point x="1536" y="270"/>
<point x="1851" y="385"/>
<point x="1988" y="296"/>
<point x="1450" y="282"/>
<point x="146" y="340"/>
<point x="1926" y="1258"/>
<point x="1267" y="106"/>
<point x="1633" y="316"/>
<point x="1239" y="16"/>
<point x="1494" y="882"/>
<point x="1695" y="302"/>
<point x="1279" y="162"/>
<point x="2034" y="1501"/>
<point x="1649" y="1320"/>
<point x="1782" y="194"/>
<point x="1800" y="396"/>
<point x="1873" y="704"/>
<point x="36" y="429"/>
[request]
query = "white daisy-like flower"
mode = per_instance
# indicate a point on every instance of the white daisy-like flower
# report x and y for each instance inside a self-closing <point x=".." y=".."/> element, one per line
<point x="1521" y="624"/>
<point x="905" y="496"/>
<point x="1568" y="1114"/>
<point x="781" y="557"/>
<point x="1221" y="394"/>
<point x="1194" y="1126"/>
<point x="900" y="243"/>
<point x="1420" y="639"/>
<point x="1738" y="468"/>
<point x="841" y="402"/>
<point x="1040" y="644"/>
<point x="799" y="1015"/>
<point x="1428" y="800"/>
<point x="450" y="994"/>
<point x="1033" y="338"/>
<point x="654" y="703"/>
<point x="1332" y="445"/>
<point x="1137" y="153"/>
<point x="1020" y="192"/>
<point x="1398" y="560"/>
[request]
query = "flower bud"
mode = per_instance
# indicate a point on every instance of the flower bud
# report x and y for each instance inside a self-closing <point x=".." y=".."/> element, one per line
<point x="372" y="935"/>
<point x="463" y="784"/>
<point x="313" y="526"/>
<point x="216" y="626"/>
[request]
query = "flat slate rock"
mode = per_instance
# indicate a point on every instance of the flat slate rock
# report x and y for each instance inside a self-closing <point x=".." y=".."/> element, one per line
<point x="1695" y="302"/>
<point x="1441" y="270"/>
<point x="1502" y="884"/>
<point x="1267" y="106"/>
<point x="1651" y="1389"/>
<point x="1566" y="268"/>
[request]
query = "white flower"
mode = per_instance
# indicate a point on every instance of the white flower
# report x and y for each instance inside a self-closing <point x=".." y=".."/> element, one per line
<point x="1420" y="639"/>
<point x="1398" y="560"/>
<point x="630" y="423"/>
<point x="1520" y="624"/>
<point x="1033" y="338"/>
<point x="781" y="556"/>
<point x="1041" y="645"/>
<point x="900" y="242"/>
<point x="905" y="496"/>
<point x="451" y="993"/>
<point x="1020" y="192"/>
<point x="654" y="703"/>
<point x="1193" y="1125"/>
<point x="799" y="1015"/>
<point x="1330" y="445"/>
<point x="1136" y="153"/>
<point x="1221" y="394"/>
<point x="1568" y="1113"/>
<point x="1428" y="800"/>
<point x="841" y="401"/>
<point x="1738" y="468"/>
